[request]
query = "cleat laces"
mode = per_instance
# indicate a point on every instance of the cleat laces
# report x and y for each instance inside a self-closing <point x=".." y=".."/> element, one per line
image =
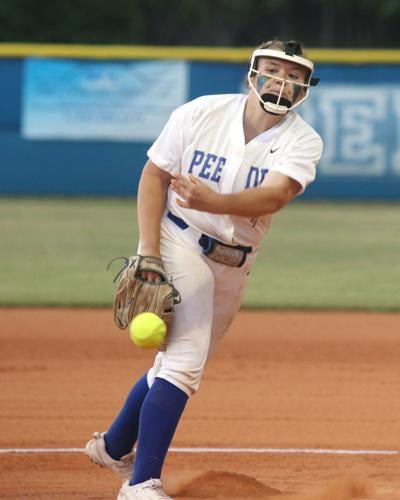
<point x="156" y="487"/>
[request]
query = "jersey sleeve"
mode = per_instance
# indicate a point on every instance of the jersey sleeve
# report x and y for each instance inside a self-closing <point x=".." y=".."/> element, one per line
<point x="301" y="160"/>
<point x="166" y="151"/>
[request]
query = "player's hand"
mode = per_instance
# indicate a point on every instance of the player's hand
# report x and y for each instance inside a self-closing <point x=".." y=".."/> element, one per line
<point x="150" y="276"/>
<point x="194" y="193"/>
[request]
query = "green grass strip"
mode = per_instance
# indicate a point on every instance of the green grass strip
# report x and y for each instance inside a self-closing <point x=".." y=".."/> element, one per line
<point x="339" y="256"/>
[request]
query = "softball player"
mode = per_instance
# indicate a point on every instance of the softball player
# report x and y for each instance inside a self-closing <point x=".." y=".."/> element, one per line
<point x="222" y="166"/>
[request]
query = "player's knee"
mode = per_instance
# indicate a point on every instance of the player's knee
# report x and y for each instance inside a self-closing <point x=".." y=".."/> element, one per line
<point x="188" y="382"/>
<point x="186" y="378"/>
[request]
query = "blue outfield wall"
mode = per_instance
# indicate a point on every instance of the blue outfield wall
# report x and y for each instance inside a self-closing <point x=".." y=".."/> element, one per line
<point x="356" y="109"/>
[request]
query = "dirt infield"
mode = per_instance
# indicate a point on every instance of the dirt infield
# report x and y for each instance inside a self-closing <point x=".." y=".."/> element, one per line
<point x="280" y="380"/>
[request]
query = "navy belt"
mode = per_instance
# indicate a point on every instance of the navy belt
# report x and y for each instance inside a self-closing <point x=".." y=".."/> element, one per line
<point x="205" y="240"/>
<point x="178" y="221"/>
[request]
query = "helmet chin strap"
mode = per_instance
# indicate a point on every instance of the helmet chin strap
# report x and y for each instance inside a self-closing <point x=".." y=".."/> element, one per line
<point x="268" y="103"/>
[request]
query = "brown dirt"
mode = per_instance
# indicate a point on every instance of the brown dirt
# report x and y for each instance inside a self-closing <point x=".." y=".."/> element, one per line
<point x="280" y="380"/>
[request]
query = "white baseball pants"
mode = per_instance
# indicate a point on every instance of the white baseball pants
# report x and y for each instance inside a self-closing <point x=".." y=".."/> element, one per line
<point x="211" y="294"/>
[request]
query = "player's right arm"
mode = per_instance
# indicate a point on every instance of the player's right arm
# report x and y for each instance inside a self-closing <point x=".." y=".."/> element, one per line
<point x="152" y="194"/>
<point x="275" y="192"/>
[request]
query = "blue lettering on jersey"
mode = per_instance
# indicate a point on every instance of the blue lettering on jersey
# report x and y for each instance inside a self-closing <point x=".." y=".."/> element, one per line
<point x="207" y="165"/>
<point x="255" y="176"/>
<point x="218" y="169"/>
<point x="197" y="159"/>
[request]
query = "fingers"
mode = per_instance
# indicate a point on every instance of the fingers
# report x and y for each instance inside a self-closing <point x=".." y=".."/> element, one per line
<point x="179" y="177"/>
<point x="182" y="203"/>
<point x="194" y="179"/>
<point x="179" y="181"/>
<point x="180" y="185"/>
<point x="191" y="191"/>
<point x="150" y="276"/>
<point x="176" y="184"/>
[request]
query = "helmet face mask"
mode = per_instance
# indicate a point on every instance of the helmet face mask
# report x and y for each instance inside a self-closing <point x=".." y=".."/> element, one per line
<point x="278" y="103"/>
<point x="290" y="92"/>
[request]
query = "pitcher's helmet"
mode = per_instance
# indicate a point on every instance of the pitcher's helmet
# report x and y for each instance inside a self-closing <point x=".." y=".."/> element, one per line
<point x="288" y="51"/>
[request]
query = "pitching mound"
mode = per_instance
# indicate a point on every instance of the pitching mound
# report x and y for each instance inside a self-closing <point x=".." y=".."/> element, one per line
<point x="222" y="484"/>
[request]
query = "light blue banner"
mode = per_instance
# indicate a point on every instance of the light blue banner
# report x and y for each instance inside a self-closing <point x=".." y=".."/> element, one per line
<point x="64" y="99"/>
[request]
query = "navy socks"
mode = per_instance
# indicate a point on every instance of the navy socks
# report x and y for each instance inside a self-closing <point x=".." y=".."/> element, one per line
<point x="151" y="417"/>
<point x="159" y="417"/>
<point x="122" y="434"/>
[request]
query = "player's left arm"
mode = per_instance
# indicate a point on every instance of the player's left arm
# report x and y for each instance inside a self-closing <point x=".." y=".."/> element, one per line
<point x="274" y="193"/>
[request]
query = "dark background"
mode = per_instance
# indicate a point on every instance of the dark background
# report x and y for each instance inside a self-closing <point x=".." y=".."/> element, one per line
<point x="234" y="23"/>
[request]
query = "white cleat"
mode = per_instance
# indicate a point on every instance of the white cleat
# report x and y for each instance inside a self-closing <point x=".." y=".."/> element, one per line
<point x="149" y="490"/>
<point x="96" y="451"/>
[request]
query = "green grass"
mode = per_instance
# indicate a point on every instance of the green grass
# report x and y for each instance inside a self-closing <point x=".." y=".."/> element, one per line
<point x="330" y="256"/>
<point x="316" y="255"/>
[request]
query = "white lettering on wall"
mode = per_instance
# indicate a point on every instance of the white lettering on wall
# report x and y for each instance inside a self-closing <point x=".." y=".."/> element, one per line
<point x="351" y="118"/>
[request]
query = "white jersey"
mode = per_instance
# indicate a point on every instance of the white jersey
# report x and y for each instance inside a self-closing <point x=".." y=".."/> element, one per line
<point x="205" y="138"/>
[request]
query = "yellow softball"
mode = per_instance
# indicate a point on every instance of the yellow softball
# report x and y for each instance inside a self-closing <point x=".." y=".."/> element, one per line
<point x="147" y="330"/>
